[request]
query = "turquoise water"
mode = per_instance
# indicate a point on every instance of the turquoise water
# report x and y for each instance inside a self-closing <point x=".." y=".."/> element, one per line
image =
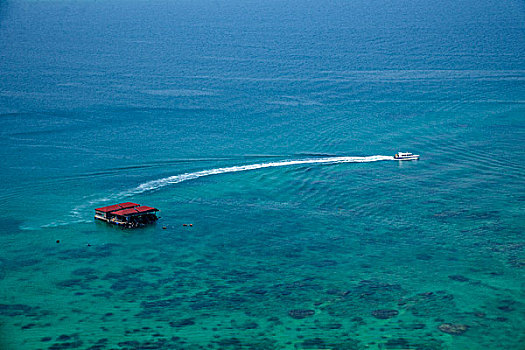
<point x="268" y="127"/>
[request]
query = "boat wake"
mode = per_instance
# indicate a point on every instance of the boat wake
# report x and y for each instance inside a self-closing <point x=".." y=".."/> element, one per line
<point x="160" y="183"/>
<point x="156" y="184"/>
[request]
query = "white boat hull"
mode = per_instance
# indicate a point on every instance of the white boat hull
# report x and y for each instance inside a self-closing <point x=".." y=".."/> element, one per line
<point x="407" y="158"/>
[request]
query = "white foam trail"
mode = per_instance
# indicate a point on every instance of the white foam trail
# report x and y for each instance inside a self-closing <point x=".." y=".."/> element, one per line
<point x="160" y="183"/>
<point x="156" y="184"/>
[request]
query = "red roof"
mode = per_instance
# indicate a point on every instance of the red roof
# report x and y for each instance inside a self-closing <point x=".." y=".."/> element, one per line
<point x="125" y="212"/>
<point x="136" y="210"/>
<point x="145" y="208"/>
<point x="114" y="207"/>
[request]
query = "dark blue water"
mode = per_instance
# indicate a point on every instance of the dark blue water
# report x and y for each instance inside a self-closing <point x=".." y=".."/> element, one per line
<point x="226" y="115"/>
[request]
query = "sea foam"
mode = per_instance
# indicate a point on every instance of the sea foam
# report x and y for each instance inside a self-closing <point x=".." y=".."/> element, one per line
<point x="154" y="185"/>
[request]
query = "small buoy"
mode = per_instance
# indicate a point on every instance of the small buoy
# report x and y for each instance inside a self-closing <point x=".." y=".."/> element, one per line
<point x="163" y="227"/>
<point x="58" y="241"/>
<point x="191" y="224"/>
<point x="184" y="225"/>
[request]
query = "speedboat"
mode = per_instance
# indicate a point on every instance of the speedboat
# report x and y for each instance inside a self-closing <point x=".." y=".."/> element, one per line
<point x="406" y="156"/>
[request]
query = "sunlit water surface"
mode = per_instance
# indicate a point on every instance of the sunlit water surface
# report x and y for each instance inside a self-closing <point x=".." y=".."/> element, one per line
<point x="270" y="128"/>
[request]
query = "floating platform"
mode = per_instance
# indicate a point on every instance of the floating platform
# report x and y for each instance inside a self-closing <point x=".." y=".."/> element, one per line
<point x="130" y="215"/>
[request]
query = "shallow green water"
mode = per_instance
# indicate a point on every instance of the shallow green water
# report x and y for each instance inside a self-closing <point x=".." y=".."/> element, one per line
<point x="147" y="105"/>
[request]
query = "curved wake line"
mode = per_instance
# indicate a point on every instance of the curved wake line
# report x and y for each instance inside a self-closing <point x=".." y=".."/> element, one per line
<point x="160" y="183"/>
<point x="156" y="184"/>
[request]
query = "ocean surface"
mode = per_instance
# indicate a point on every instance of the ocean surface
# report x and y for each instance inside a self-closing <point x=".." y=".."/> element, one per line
<point x="270" y="127"/>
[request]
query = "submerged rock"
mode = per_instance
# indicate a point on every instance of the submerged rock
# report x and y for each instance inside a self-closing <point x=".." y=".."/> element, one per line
<point x="428" y="304"/>
<point x="300" y="313"/>
<point x="63" y="346"/>
<point x="249" y="325"/>
<point x="71" y="283"/>
<point x="342" y="343"/>
<point x="227" y="343"/>
<point x="397" y="343"/>
<point x="415" y="326"/>
<point x="506" y="308"/>
<point x="17" y="310"/>
<point x="328" y="325"/>
<point x="338" y="292"/>
<point x="182" y="323"/>
<point x="454" y="329"/>
<point x="458" y="278"/>
<point x="517" y="262"/>
<point x="377" y="292"/>
<point x="423" y="256"/>
<point x="384" y="314"/>
<point x="507" y="305"/>
<point x="324" y="263"/>
<point x="314" y="343"/>
<point x="84" y="271"/>
<point x="260" y="291"/>
<point x="148" y="344"/>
